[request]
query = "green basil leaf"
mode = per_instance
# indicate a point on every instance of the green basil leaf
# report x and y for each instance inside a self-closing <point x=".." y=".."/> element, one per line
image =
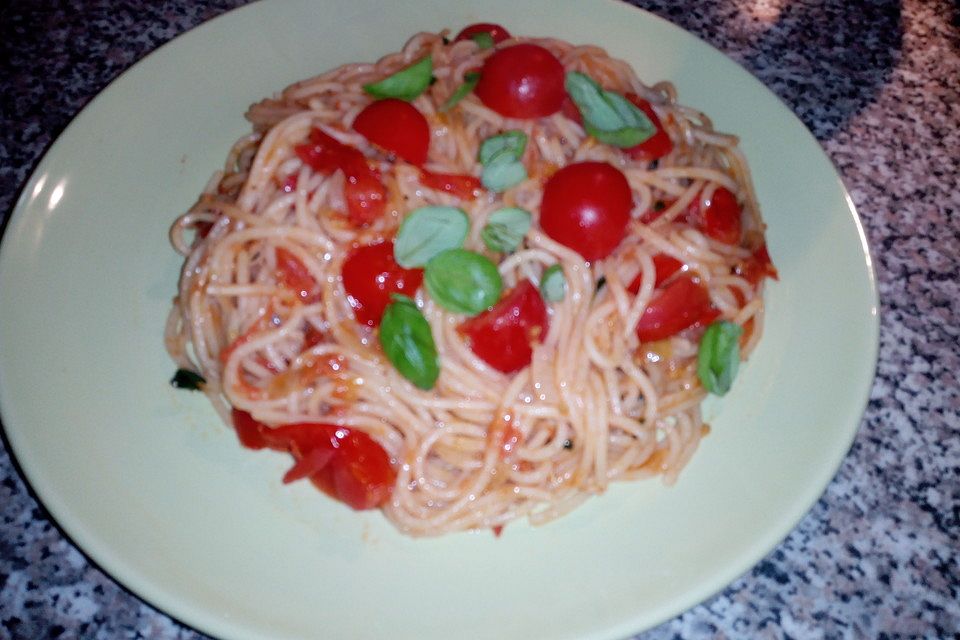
<point x="608" y="116"/>
<point x="553" y="284"/>
<point x="428" y="231"/>
<point x="719" y="356"/>
<point x="406" y="84"/>
<point x="506" y="229"/>
<point x="408" y="343"/>
<point x="186" y="379"/>
<point x="483" y="39"/>
<point x="463" y="281"/>
<point x="500" y="176"/>
<point x="470" y="81"/>
<point x="504" y="147"/>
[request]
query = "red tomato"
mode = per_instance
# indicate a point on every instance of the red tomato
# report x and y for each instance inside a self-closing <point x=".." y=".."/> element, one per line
<point x="522" y="81"/>
<point x="293" y="275"/>
<point x="498" y="33"/>
<point x="370" y="275"/>
<point x="501" y="336"/>
<point x="363" y="191"/>
<point x="570" y="109"/>
<point x="664" y="267"/>
<point x="586" y="206"/>
<point x="758" y="266"/>
<point x="396" y="126"/>
<point x="720" y="218"/>
<point x="657" y="145"/>
<point x="462" y="186"/>
<point x="680" y="305"/>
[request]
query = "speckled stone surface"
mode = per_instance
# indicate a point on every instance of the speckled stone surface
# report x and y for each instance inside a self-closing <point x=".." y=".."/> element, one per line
<point x="878" y="82"/>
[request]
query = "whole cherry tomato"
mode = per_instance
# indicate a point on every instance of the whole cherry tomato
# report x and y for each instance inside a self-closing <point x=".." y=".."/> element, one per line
<point x="522" y="81"/>
<point x="720" y="216"/>
<point x="396" y="126"/>
<point x="680" y="305"/>
<point x="497" y="33"/>
<point x="502" y="336"/>
<point x="370" y="275"/>
<point x="586" y="206"/>
<point x="657" y="145"/>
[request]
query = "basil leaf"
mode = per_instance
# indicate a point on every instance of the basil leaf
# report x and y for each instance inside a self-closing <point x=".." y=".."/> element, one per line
<point x="470" y="81"/>
<point x="406" y="84"/>
<point x="428" y="231"/>
<point x="408" y="343"/>
<point x="608" y="116"/>
<point x="553" y="284"/>
<point x="719" y="356"/>
<point x="463" y="281"/>
<point x="186" y="379"/>
<point x="506" y="229"/>
<point x="504" y="147"/>
<point x="484" y="40"/>
<point x="500" y="176"/>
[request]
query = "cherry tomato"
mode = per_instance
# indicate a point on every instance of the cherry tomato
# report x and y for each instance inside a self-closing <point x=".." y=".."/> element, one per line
<point x="719" y="218"/>
<point x="586" y="206"/>
<point x="569" y="108"/>
<point x="370" y="275"/>
<point x="462" y="186"/>
<point x="497" y="33"/>
<point x="363" y="191"/>
<point x="657" y="145"/>
<point x="396" y="126"/>
<point x="680" y="305"/>
<point x="522" y="81"/>
<point x="294" y="275"/>
<point x="757" y="267"/>
<point x="664" y="267"/>
<point x="502" y="336"/>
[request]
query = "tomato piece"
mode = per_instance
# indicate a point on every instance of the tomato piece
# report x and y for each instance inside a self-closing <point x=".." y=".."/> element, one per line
<point x="502" y="336"/>
<point x="719" y="218"/>
<point x="370" y="275"/>
<point x="657" y="145"/>
<point x="586" y="206"/>
<point x="522" y="81"/>
<point x="294" y="275"/>
<point x="664" y="266"/>
<point x="497" y="33"/>
<point x="248" y="430"/>
<point x="680" y="305"/>
<point x="363" y="191"/>
<point x="758" y="266"/>
<point x="362" y="472"/>
<point x="462" y="186"/>
<point x="569" y="108"/>
<point x="397" y="126"/>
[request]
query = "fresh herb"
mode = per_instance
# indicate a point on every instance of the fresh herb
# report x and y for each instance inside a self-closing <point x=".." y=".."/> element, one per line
<point x="406" y="84"/>
<point x="483" y="39"/>
<point x="406" y="340"/>
<point x="553" y="284"/>
<point x="506" y="229"/>
<point x="500" y="156"/>
<point x="607" y="115"/>
<point x="719" y="356"/>
<point x="428" y="231"/>
<point x="463" y="281"/>
<point x="470" y="80"/>
<point x="186" y="379"/>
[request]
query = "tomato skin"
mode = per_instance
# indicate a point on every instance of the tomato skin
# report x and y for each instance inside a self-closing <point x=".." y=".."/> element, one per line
<point x="370" y="274"/>
<point x="664" y="266"/>
<point x="522" y="81"/>
<point x="657" y="145"/>
<point x="680" y="305"/>
<point x="719" y="218"/>
<point x="397" y="126"/>
<point x="586" y="207"/>
<point x="758" y="266"/>
<point x="501" y="336"/>
<point x="462" y="186"/>
<point x="497" y="33"/>
<point x="293" y="275"/>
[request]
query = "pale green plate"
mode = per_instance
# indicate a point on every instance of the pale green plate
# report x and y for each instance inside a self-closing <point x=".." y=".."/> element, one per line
<point x="156" y="490"/>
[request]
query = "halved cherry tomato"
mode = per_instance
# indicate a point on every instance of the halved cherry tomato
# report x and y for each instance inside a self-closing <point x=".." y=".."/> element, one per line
<point x="497" y="33"/>
<point x="293" y="275"/>
<point x="462" y="186"/>
<point x="664" y="267"/>
<point x="363" y="191"/>
<point x="586" y="206"/>
<point x="347" y="464"/>
<point x="370" y="275"/>
<point x="502" y="336"/>
<point x="758" y="266"/>
<point x="397" y="126"/>
<point x="720" y="218"/>
<point x="569" y="108"/>
<point x="657" y="145"/>
<point x="522" y="81"/>
<point x="680" y="305"/>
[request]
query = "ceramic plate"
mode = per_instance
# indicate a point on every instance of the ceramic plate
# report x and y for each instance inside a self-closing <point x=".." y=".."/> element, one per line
<point x="156" y="490"/>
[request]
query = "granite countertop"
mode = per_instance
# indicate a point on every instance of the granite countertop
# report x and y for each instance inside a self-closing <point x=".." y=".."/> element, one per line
<point x="878" y="83"/>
